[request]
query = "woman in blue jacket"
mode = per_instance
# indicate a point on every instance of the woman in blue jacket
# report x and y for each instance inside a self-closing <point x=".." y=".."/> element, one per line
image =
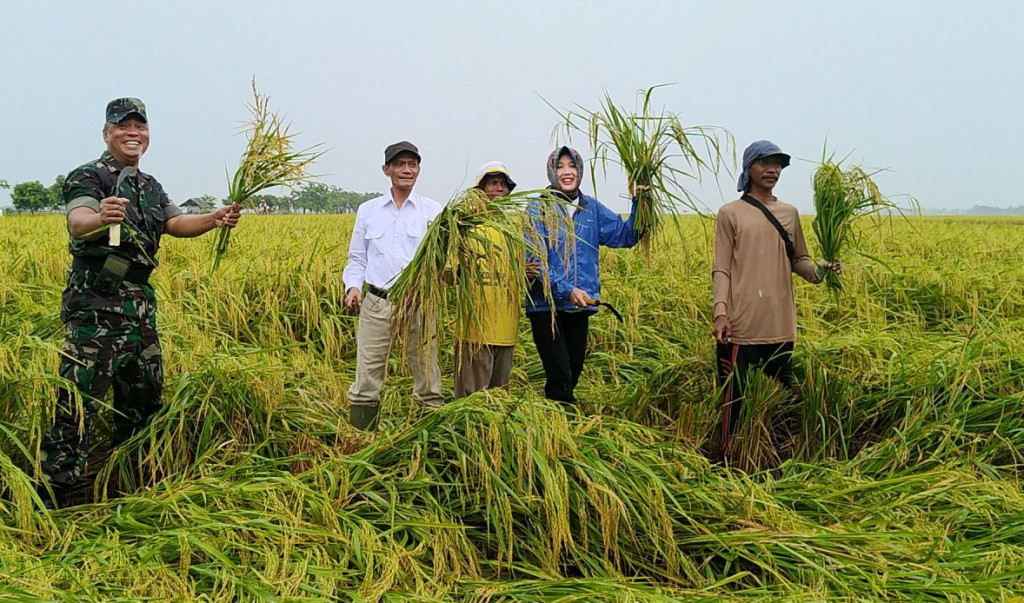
<point x="574" y="278"/>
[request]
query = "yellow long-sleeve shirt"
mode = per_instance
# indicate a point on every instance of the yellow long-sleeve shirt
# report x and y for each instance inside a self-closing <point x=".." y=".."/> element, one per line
<point x="497" y="305"/>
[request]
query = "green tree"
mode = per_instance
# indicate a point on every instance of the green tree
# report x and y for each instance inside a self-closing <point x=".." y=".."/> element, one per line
<point x="348" y="201"/>
<point x="272" y="201"/>
<point x="30" y="196"/>
<point x="312" y="196"/>
<point x="56" y="198"/>
<point x="320" y="197"/>
<point x="4" y="185"/>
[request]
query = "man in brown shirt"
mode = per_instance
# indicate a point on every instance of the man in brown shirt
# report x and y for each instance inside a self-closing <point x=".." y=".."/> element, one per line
<point x="755" y="313"/>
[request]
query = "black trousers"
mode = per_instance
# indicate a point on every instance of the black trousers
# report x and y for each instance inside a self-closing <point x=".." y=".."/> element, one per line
<point x="562" y="350"/>
<point x="735" y="361"/>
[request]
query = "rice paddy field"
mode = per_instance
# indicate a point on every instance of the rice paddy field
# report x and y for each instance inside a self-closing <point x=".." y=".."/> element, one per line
<point x="892" y="472"/>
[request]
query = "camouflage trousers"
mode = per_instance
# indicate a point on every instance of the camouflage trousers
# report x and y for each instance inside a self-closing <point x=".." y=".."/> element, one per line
<point x="102" y="349"/>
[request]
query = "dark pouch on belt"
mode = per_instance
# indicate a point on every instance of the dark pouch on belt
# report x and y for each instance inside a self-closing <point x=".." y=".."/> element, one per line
<point x="112" y="274"/>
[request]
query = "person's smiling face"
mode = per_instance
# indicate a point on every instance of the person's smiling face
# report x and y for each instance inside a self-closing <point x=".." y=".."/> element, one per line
<point x="128" y="140"/>
<point x="567" y="175"/>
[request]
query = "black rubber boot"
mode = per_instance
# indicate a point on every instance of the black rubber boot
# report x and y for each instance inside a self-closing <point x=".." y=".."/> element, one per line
<point x="364" y="416"/>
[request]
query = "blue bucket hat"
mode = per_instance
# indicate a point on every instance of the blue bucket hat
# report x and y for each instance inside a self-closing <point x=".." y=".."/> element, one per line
<point x="757" y="150"/>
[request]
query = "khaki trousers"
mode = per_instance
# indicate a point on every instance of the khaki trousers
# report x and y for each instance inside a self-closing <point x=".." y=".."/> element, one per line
<point x="479" y="367"/>
<point x="374" y="339"/>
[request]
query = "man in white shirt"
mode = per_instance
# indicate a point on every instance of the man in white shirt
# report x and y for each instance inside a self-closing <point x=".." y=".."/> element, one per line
<point x="387" y="232"/>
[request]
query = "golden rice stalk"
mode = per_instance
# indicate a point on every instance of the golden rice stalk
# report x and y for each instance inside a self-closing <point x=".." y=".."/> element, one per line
<point x="657" y="153"/>
<point x="473" y="244"/>
<point x="268" y="161"/>
<point x="841" y="195"/>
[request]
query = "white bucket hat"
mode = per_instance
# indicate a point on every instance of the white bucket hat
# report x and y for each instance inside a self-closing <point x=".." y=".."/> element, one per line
<point x="494" y="167"/>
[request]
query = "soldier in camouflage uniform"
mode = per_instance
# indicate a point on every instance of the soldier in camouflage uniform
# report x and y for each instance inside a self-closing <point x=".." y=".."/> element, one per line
<point x="109" y="306"/>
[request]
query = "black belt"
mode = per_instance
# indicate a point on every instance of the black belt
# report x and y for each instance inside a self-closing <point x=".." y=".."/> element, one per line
<point x="381" y="293"/>
<point x="137" y="273"/>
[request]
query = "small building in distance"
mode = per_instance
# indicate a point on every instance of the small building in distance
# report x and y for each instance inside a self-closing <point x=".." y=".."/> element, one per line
<point x="195" y="205"/>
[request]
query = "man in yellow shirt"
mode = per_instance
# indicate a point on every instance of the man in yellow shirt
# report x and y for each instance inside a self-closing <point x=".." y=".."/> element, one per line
<point x="484" y="345"/>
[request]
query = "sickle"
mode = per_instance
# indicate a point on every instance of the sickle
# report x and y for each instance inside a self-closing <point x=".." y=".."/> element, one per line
<point x="613" y="310"/>
<point x="115" y="230"/>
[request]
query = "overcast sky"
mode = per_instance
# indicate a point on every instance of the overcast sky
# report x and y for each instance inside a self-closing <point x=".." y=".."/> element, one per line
<point x="930" y="89"/>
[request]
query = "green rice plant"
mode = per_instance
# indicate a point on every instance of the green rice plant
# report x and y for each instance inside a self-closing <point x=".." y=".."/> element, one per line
<point x="20" y="505"/>
<point x="825" y="415"/>
<point x="673" y="395"/>
<point x="229" y="407"/>
<point x="898" y="474"/>
<point x="267" y="162"/>
<point x="657" y="153"/>
<point x="544" y="589"/>
<point x="757" y="443"/>
<point x="840" y="196"/>
<point x="473" y="243"/>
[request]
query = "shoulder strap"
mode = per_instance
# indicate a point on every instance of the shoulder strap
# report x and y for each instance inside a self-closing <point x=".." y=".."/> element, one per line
<point x="790" y="249"/>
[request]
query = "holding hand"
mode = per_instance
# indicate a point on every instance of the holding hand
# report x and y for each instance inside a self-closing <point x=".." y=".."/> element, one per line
<point x="353" y="300"/>
<point x="827" y="266"/>
<point x="112" y="210"/>
<point x="722" y="329"/>
<point x="581" y="299"/>
<point x="532" y="269"/>
<point x="227" y="217"/>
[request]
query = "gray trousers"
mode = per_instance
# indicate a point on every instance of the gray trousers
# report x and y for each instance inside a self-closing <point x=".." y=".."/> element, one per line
<point x="374" y="339"/>
<point x="479" y="367"/>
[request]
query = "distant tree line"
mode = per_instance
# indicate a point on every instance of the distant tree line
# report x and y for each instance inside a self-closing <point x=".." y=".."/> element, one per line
<point x="315" y="197"/>
<point x="312" y="197"/>
<point x="985" y="210"/>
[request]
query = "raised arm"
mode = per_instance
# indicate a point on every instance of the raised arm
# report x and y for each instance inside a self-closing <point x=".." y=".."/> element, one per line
<point x="84" y="223"/>
<point x="803" y="265"/>
<point x="613" y="230"/>
<point x="187" y="226"/>
<point x="88" y="206"/>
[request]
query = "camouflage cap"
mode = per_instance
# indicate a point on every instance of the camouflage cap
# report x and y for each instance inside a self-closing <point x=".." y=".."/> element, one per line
<point x="120" y="108"/>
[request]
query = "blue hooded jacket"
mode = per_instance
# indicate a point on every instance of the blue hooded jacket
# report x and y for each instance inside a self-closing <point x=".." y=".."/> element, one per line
<point x="595" y="225"/>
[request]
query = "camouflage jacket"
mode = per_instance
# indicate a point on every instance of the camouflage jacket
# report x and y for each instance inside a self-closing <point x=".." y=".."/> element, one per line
<point x="148" y="210"/>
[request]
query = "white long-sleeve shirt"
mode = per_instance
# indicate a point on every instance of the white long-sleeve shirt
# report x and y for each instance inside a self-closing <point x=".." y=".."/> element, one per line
<point x="385" y="239"/>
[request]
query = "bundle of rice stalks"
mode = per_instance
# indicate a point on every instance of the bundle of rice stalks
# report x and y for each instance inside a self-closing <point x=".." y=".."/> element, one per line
<point x="758" y="440"/>
<point x="657" y="153"/>
<point x="230" y="406"/>
<point x="268" y="161"/>
<point x="840" y="195"/>
<point x="476" y="242"/>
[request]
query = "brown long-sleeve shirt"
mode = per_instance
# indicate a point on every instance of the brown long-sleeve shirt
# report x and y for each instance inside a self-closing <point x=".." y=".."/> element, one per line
<point x="751" y="277"/>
